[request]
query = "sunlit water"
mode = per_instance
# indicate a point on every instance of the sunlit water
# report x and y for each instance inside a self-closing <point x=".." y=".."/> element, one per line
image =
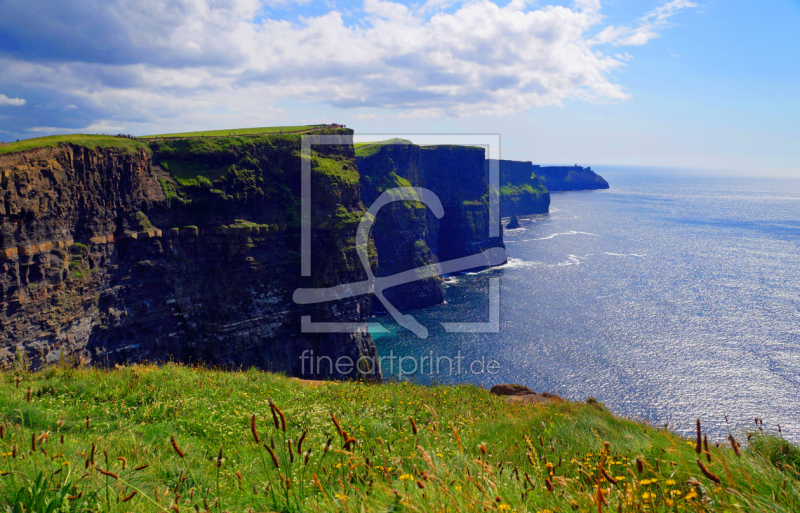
<point x="672" y="296"/>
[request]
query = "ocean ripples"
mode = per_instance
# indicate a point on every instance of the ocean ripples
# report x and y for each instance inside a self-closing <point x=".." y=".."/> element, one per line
<point x="662" y="297"/>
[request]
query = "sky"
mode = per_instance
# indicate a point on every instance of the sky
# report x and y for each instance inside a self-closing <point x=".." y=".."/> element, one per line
<point x="690" y="83"/>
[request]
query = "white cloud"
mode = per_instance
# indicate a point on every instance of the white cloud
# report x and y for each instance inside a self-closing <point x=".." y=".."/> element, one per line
<point x="649" y="27"/>
<point x="475" y="58"/>
<point x="16" y="102"/>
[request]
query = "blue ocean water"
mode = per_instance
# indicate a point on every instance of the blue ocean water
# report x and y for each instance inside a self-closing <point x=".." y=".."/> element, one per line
<point x="675" y="295"/>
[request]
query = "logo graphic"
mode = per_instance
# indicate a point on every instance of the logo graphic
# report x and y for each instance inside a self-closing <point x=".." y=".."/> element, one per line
<point x="376" y="285"/>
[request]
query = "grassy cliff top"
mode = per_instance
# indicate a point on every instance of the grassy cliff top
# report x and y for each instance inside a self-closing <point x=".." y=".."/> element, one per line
<point x="86" y="140"/>
<point x="367" y="149"/>
<point x="174" y="438"/>
<point x="241" y="131"/>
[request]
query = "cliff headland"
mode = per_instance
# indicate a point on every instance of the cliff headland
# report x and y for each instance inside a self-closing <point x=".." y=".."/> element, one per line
<point x="116" y="250"/>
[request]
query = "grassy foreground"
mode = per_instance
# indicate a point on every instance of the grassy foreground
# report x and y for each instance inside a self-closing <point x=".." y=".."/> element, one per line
<point x="175" y="438"/>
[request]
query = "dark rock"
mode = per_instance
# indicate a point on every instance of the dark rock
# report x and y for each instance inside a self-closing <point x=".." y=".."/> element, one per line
<point x="510" y="389"/>
<point x="523" y="394"/>
<point x="513" y="224"/>
<point x="87" y="272"/>
<point x="570" y="178"/>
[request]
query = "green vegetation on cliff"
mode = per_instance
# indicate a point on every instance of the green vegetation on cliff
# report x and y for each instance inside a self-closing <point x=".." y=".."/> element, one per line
<point x="206" y="171"/>
<point x="93" y="142"/>
<point x="368" y="149"/>
<point x="174" y="438"/>
<point x="239" y="131"/>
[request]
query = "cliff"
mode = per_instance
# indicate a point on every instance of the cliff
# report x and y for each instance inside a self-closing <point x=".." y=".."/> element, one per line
<point x="186" y="250"/>
<point x="407" y="235"/>
<point x="456" y="174"/>
<point x="404" y="231"/>
<point x="570" y="178"/>
<point x="521" y="191"/>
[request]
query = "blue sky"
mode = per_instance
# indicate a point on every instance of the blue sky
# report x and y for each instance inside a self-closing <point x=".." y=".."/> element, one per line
<point x="670" y="82"/>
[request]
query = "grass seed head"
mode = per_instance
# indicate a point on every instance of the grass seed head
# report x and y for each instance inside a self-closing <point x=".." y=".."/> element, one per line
<point x="338" y="427"/>
<point x="176" y="448"/>
<point x="253" y="428"/>
<point x="272" y="455"/>
<point x="699" y="447"/>
<point x="711" y="476"/>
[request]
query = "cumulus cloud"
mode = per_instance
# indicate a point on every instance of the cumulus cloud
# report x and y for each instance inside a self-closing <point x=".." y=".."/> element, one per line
<point x="16" y="102"/>
<point x="150" y="60"/>
<point x="649" y="27"/>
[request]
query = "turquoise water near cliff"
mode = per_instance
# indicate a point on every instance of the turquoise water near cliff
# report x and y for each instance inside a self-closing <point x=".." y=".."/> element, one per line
<point x="674" y="295"/>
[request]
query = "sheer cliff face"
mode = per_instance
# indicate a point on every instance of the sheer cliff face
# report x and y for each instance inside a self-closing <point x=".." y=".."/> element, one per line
<point x="521" y="191"/>
<point x="457" y="175"/>
<point x="109" y="257"/>
<point x="407" y="235"/>
<point x="570" y="178"/>
<point x="405" y="232"/>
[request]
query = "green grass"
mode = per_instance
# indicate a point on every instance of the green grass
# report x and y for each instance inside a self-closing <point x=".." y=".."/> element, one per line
<point x="86" y="140"/>
<point x="370" y="148"/>
<point x="238" y="131"/>
<point x="91" y="438"/>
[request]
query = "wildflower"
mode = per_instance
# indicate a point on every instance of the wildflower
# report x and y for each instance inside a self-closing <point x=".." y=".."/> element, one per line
<point x="457" y="488"/>
<point x="408" y="477"/>
<point x="691" y="495"/>
<point x="342" y="497"/>
<point x="503" y="507"/>
<point x="670" y="482"/>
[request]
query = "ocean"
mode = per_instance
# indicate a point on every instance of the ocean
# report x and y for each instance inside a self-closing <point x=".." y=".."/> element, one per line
<point x="675" y="295"/>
